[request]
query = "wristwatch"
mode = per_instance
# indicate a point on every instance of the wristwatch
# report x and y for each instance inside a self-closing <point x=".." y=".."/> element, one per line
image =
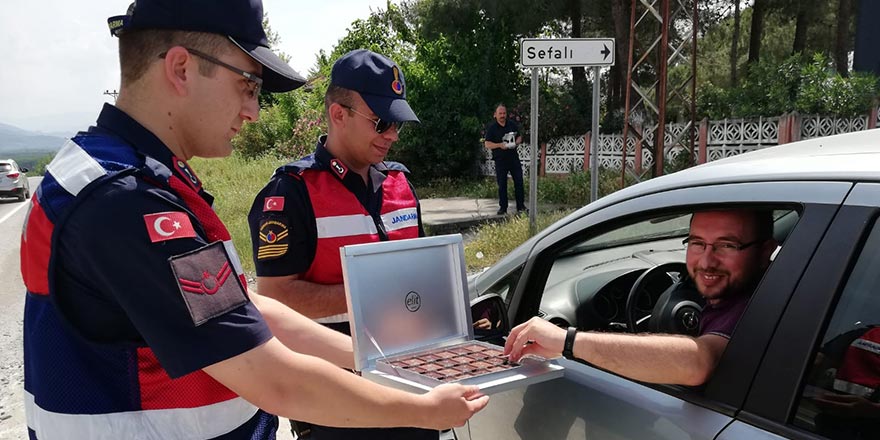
<point x="568" y="346"/>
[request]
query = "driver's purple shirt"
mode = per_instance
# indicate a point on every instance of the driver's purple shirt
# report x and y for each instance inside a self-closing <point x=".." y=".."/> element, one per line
<point x="721" y="318"/>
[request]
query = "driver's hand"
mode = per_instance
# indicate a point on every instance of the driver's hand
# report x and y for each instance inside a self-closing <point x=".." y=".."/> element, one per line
<point x="535" y="336"/>
<point x="483" y="324"/>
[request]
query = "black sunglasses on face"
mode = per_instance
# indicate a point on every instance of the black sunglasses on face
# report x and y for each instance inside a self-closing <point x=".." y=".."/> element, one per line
<point x="254" y="82"/>
<point x="381" y="125"/>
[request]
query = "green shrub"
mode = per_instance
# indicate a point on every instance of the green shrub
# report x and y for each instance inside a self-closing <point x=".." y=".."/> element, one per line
<point x="808" y="85"/>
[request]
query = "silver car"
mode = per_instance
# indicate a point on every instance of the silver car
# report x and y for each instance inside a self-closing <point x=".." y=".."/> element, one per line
<point x="13" y="181"/>
<point x="610" y="267"/>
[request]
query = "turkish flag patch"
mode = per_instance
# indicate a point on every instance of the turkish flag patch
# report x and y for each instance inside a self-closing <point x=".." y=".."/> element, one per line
<point x="275" y="203"/>
<point x="208" y="282"/>
<point x="170" y="225"/>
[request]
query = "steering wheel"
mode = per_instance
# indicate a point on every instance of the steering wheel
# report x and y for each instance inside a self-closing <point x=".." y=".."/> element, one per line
<point x="678" y="310"/>
<point x="658" y="274"/>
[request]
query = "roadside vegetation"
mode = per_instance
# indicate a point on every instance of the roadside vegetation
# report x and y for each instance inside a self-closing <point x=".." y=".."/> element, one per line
<point x="235" y="180"/>
<point x="492" y="241"/>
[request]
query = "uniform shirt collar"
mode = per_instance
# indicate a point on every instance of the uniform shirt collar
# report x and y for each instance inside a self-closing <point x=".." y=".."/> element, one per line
<point x="145" y="142"/>
<point x="326" y="160"/>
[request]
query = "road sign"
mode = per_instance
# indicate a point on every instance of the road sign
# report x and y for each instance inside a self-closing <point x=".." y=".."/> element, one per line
<point x="565" y="52"/>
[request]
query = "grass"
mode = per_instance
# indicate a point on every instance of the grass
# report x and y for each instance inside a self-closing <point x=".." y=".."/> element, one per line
<point x="568" y="190"/>
<point x="493" y="241"/>
<point x="235" y="180"/>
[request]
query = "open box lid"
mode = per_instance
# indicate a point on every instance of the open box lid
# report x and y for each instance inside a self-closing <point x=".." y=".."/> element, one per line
<point x="405" y="295"/>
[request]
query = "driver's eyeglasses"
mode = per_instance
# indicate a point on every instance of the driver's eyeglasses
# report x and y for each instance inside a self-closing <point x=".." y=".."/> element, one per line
<point x="720" y="248"/>
<point x="254" y="82"/>
<point x="381" y="125"/>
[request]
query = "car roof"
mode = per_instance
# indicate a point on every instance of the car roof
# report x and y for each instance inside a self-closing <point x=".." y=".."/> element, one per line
<point x="847" y="157"/>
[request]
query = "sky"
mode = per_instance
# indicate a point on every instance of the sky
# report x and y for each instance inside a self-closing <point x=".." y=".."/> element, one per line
<point x="59" y="56"/>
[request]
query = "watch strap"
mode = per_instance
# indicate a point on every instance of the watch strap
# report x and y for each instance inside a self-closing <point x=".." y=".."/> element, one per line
<point x="568" y="346"/>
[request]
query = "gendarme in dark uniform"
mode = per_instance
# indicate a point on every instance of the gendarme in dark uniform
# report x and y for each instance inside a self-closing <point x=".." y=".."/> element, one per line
<point x="134" y="287"/>
<point x="344" y="193"/>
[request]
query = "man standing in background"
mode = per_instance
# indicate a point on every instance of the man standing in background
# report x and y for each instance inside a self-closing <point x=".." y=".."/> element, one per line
<point x="502" y="138"/>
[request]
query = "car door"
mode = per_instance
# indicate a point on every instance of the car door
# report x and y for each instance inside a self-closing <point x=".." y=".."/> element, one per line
<point x="591" y="403"/>
<point x="804" y="388"/>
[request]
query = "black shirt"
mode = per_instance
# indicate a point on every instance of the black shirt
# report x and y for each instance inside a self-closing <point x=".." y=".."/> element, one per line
<point x="503" y="134"/>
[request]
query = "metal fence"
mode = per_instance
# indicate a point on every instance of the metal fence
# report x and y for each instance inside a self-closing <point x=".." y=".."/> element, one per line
<point x="716" y="140"/>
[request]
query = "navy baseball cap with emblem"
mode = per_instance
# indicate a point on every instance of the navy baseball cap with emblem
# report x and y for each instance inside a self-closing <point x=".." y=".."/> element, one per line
<point x="239" y="20"/>
<point x="378" y="80"/>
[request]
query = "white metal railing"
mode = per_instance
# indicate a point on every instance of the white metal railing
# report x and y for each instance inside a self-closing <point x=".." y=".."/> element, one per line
<point x="724" y="138"/>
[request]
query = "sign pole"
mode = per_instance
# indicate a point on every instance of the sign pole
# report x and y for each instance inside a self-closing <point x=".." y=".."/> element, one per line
<point x="594" y="140"/>
<point x="533" y="166"/>
<point x="564" y="52"/>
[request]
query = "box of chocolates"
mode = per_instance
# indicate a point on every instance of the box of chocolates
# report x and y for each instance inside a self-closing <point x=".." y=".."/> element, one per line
<point x="442" y="365"/>
<point x="411" y="319"/>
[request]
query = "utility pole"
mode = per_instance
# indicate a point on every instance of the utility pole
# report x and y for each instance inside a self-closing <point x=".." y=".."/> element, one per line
<point x="112" y="93"/>
<point x="649" y="90"/>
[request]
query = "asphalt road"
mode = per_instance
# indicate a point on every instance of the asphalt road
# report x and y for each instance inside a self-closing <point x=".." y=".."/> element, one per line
<point x="12" y="421"/>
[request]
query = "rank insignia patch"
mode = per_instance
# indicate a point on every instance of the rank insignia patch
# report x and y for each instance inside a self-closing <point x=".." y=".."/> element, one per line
<point x="184" y="170"/>
<point x="274" y="238"/>
<point x="208" y="282"/>
<point x="339" y="168"/>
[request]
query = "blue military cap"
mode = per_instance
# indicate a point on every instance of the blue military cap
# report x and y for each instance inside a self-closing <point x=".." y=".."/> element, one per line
<point x="378" y="80"/>
<point x="240" y="20"/>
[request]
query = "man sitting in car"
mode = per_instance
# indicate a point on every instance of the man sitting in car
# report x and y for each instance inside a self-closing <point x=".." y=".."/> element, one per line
<point x="727" y="254"/>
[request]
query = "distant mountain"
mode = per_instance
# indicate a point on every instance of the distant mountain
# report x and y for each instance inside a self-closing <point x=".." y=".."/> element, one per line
<point x="17" y="140"/>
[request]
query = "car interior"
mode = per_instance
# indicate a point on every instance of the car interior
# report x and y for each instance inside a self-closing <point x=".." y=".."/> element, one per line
<point x="632" y="278"/>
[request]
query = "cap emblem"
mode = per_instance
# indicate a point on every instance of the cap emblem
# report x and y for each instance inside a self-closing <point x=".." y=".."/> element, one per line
<point x="396" y="85"/>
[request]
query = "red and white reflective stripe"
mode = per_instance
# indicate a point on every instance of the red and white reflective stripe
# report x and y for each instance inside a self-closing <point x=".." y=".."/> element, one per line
<point x="233" y="257"/>
<point x="400" y="219"/>
<point x="345" y="226"/>
<point x="181" y="423"/>
<point x="73" y="168"/>
<point x="236" y="262"/>
<point x="852" y="388"/>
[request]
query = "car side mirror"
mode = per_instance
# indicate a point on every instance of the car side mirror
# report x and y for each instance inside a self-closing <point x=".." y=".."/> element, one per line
<point x="489" y="316"/>
<point x="24" y="170"/>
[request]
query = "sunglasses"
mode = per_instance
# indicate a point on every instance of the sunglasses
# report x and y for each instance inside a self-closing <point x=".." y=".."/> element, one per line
<point x="381" y="125"/>
<point x="254" y="82"/>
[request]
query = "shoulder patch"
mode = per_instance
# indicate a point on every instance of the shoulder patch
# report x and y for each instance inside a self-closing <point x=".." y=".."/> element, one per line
<point x="274" y="237"/>
<point x="208" y="282"/>
<point x="163" y="226"/>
